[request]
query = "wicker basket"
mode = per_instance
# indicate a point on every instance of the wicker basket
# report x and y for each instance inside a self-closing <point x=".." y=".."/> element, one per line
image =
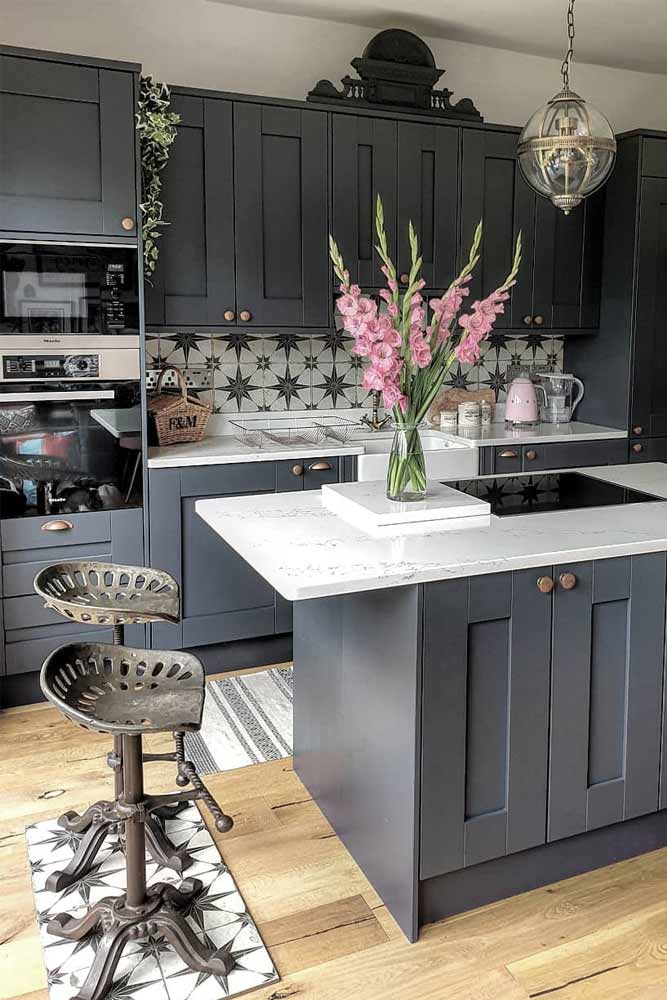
<point x="178" y="418"/>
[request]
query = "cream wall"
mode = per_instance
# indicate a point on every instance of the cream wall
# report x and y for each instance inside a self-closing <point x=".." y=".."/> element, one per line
<point x="204" y="44"/>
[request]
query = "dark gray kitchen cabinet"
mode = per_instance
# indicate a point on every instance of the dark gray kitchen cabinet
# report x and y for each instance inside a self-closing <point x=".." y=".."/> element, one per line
<point x="31" y="631"/>
<point x="281" y="197"/>
<point x="67" y="146"/>
<point x="541" y="712"/>
<point x="606" y="693"/>
<point x="558" y="286"/>
<point x="428" y="196"/>
<point x="538" y="457"/>
<point x="245" y="196"/>
<point x="364" y="157"/>
<point x="194" y="282"/>
<point x="222" y="598"/>
<point x="485" y="718"/>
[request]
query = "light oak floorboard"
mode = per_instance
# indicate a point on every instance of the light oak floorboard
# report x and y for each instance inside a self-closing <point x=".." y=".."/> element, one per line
<point x="602" y="936"/>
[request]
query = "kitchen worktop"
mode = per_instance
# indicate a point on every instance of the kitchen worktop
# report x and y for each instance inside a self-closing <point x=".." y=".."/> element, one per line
<point x="500" y="434"/>
<point x="225" y="449"/>
<point x="306" y="551"/>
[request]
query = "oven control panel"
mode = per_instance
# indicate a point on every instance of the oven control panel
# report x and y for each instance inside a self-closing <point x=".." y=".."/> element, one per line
<point x="42" y="367"/>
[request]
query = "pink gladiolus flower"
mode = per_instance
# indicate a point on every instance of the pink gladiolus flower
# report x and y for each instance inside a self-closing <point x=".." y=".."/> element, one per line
<point x="417" y="316"/>
<point x="367" y="307"/>
<point x="385" y="294"/>
<point x="392" y="284"/>
<point x="416" y="299"/>
<point x="392" y="396"/>
<point x="373" y="380"/>
<point x="355" y="291"/>
<point x="393" y="309"/>
<point x="421" y="352"/>
<point x="347" y="305"/>
<point x="382" y="356"/>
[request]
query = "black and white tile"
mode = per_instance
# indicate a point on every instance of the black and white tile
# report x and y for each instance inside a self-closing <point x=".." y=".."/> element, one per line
<point x="150" y="969"/>
<point x="239" y="371"/>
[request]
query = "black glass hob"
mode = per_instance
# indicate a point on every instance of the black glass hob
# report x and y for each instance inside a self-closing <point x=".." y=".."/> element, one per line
<point x="548" y="491"/>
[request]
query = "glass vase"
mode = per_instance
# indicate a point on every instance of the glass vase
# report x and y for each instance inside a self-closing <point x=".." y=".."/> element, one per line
<point x="406" y="475"/>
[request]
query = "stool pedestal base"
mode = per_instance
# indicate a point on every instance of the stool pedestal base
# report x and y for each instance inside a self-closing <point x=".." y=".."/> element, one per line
<point x="160" y="915"/>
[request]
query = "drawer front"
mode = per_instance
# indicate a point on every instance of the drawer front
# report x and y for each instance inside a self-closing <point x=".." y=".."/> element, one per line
<point x="28" y="612"/>
<point x="68" y="529"/>
<point x="648" y="450"/>
<point x="319" y="471"/>
<point x="573" y="454"/>
<point x="507" y="459"/>
<point x="27" y="656"/>
<point x="18" y="577"/>
<point x="225" y="480"/>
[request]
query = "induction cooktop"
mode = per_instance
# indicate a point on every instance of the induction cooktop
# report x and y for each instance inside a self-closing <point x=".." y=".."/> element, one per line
<point x="549" y="491"/>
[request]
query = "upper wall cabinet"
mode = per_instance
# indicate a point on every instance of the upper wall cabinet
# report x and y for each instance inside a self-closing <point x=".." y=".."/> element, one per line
<point x="558" y="287"/>
<point x="245" y="193"/>
<point x="415" y="170"/>
<point x="67" y="148"/>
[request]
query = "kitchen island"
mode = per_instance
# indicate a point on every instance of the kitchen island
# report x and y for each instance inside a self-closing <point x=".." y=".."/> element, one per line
<point x="477" y="711"/>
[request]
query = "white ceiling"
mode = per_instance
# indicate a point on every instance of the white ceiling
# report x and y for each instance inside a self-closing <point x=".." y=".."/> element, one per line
<point x="630" y="35"/>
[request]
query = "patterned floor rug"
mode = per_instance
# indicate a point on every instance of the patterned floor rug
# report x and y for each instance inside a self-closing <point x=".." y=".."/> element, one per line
<point x="150" y="969"/>
<point x="247" y="720"/>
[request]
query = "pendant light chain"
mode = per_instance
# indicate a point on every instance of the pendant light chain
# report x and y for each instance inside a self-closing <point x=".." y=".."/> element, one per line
<point x="565" y="67"/>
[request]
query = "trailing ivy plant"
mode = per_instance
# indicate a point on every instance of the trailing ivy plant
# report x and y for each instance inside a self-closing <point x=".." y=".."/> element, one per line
<point x="156" y="126"/>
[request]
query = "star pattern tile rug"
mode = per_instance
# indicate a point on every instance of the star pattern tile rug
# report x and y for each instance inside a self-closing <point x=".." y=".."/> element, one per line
<point x="149" y="969"/>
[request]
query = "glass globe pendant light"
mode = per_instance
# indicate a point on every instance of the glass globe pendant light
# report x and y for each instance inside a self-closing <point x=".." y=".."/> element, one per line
<point x="567" y="149"/>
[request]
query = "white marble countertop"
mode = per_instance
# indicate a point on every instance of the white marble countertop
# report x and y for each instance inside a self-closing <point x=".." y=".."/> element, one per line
<point x="224" y="449"/>
<point x="305" y="550"/>
<point x="499" y="434"/>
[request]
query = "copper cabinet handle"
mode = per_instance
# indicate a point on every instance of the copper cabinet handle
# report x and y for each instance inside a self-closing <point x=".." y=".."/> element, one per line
<point x="545" y="584"/>
<point x="637" y="448"/>
<point x="568" y="581"/>
<point x="297" y="470"/>
<point x="538" y="320"/>
<point x="229" y="315"/>
<point x="57" y="526"/>
<point x="531" y="455"/>
<point x="245" y="315"/>
<point x="637" y="429"/>
<point x="508" y="454"/>
<point x="319" y="467"/>
<point x="405" y="278"/>
<point x="127" y="223"/>
<point x="528" y="320"/>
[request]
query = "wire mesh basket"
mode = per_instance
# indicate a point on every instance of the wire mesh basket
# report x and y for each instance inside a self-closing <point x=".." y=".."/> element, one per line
<point x="258" y="432"/>
<point x="337" y="428"/>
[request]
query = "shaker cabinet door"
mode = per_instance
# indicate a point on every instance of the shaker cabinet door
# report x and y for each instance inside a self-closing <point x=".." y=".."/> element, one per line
<point x="67" y="163"/>
<point x="494" y="191"/>
<point x="364" y="166"/>
<point x="429" y="197"/>
<point x="606" y="693"/>
<point x="485" y="719"/>
<point x="280" y="191"/>
<point x="194" y="280"/>
<point x="649" y="395"/>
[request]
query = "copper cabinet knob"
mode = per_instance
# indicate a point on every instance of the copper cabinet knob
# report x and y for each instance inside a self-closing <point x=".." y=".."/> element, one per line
<point x="637" y="430"/>
<point x="127" y="223"/>
<point x="531" y="455"/>
<point x="637" y="448"/>
<point x="319" y="467"/>
<point x="297" y="470"/>
<point x="507" y="454"/>
<point x="528" y="320"/>
<point x="545" y="584"/>
<point x="568" y="581"/>
<point x="57" y="526"/>
<point x="245" y="315"/>
<point x="404" y="279"/>
<point x="538" y="320"/>
<point x="229" y="315"/>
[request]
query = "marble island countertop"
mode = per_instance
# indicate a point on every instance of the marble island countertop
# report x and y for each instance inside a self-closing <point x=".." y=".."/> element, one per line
<point x="306" y="551"/>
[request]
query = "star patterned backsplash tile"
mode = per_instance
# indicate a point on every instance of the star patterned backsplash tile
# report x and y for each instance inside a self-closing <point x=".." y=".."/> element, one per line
<point x="239" y="371"/>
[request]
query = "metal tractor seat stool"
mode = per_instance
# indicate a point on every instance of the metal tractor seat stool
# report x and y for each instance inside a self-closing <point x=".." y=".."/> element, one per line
<point x="130" y="692"/>
<point x="108" y="594"/>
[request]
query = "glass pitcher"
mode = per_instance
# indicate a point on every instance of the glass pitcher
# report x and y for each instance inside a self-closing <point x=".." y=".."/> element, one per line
<point x="563" y="395"/>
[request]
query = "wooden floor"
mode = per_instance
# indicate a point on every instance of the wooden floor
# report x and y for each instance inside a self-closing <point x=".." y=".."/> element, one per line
<point x="602" y="936"/>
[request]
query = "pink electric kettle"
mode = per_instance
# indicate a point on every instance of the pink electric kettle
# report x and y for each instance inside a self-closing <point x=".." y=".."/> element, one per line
<point x="521" y="409"/>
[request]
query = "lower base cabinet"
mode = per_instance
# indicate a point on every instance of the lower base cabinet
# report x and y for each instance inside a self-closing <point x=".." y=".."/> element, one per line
<point x="542" y="708"/>
<point x="222" y="598"/>
<point x="31" y="631"/>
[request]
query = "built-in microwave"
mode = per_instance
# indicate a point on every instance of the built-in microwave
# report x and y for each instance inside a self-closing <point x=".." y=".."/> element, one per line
<point x="50" y="292"/>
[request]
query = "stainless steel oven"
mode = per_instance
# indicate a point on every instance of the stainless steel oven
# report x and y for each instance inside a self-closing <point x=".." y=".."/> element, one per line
<point x="70" y="429"/>
<point x="51" y="294"/>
